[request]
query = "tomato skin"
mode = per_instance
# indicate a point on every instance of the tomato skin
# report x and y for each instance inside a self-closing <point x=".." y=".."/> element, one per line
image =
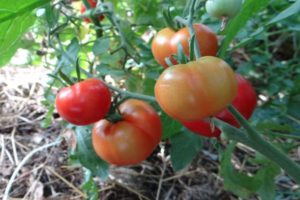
<point x="223" y="8"/>
<point x="245" y="102"/>
<point x="161" y="47"/>
<point x="196" y="90"/>
<point x="203" y="128"/>
<point x="84" y="102"/>
<point x="93" y="4"/>
<point x="130" y="140"/>
<point x="207" y="40"/>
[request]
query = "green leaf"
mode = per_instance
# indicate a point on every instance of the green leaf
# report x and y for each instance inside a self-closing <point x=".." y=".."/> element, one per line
<point x="69" y="57"/>
<point x="15" y="19"/>
<point x="170" y="126"/>
<point x="250" y="8"/>
<point x="86" y="154"/>
<point x="18" y="8"/>
<point x="237" y="182"/>
<point x="293" y="9"/>
<point x="101" y="46"/>
<point x="184" y="147"/>
<point x="267" y="175"/>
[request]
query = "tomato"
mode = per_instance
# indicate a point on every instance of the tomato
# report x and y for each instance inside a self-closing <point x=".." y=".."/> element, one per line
<point x="207" y="40"/>
<point x="203" y="128"/>
<point x="165" y="43"/>
<point x="93" y="4"/>
<point x="245" y="102"/>
<point x="161" y="48"/>
<point x="130" y="140"/>
<point x="196" y="90"/>
<point x="84" y="102"/>
<point x="223" y="8"/>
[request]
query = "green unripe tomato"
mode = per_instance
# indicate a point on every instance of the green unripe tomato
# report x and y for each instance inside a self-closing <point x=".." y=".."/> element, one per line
<point x="223" y="8"/>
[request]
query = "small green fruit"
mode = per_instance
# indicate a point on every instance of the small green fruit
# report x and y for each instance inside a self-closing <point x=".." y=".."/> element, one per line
<point x="223" y="8"/>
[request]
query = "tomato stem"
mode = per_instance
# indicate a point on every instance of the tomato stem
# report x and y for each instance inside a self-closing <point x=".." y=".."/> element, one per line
<point x="255" y="141"/>
<point x="191" y="28"/>
<point x="127" y="94"/>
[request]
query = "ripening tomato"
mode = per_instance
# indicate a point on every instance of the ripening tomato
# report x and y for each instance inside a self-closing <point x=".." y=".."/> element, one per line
<point x="93" y="4"/>
<point x="130" y="140"/>
<point x="196" y="90"/>
<point x="161" y="48"/>
<point x="84" y="102"/>
<point x="166" y="41"/>
<point x="223" y="8"/>
<point x="207" y="40"/>
<point x="244" y="102"/>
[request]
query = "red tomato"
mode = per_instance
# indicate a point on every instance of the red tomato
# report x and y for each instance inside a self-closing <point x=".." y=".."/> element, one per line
<point x="207" y="40"/>
<point x="93" y="4"/>
<point x="84" y="103"/>
<point x="244" y="102"/>
<point x="196" y="90"/>
<point x="203" y="128"/>
<point x="161" y="48"/>
<point x="130" y="140"/>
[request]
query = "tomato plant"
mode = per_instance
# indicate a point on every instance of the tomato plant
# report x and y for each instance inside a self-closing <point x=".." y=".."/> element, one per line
<point x="166" y="41"/>
<point x="93" y="4"/>
<point x="196" y="90"/>
<point x="207" y="40"/>
<point x="84" y="102"/>
<point x="223" y="8"/>
<point x="244" y="102"/>
<point x="130" y="140"/>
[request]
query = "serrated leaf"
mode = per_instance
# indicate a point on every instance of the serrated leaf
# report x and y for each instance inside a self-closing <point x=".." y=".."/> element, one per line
<point x="68" y="59"/>
<point x="86" y="154"/>
<point x="250" y="8"/>
<point x="184" y="147"/>
<point x="267" y="175"/>
<point x="237" y="182"/>
<point x="101" y="46"/>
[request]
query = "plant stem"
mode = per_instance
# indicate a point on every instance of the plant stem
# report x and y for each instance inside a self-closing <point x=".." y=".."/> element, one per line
<point x="191" y="28"/>
<point x="266" y="148"/>
<point x="127" y="94"/>
<point x="95" y="20"/>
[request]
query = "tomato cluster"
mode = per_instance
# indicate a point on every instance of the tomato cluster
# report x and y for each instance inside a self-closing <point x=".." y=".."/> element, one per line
<point x="194" y="91"/>
<point x="166" y="42"/>
<point x="128" y="140"/>
<point x="93" y="4"/>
